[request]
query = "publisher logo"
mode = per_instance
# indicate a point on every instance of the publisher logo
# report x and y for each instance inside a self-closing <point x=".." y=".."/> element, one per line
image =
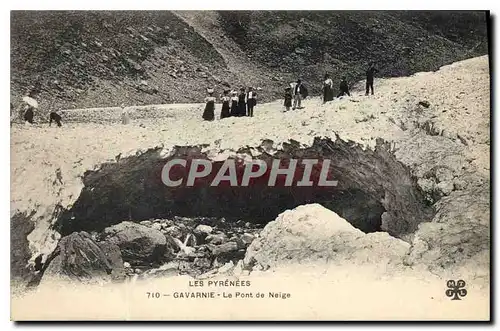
<point x="456" y="289"/>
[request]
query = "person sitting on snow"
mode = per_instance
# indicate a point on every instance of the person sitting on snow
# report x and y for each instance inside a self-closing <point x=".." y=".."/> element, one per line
<point x="29" y="114"/>
<point x="55" y="117"/>
<point x="344" y="88"/>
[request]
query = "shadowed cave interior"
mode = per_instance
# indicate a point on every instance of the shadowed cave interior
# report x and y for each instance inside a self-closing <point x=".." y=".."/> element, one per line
<point x="375" y="192"/>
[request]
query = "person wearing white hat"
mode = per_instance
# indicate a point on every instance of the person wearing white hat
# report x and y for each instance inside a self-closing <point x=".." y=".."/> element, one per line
<point x="29" y="108"/>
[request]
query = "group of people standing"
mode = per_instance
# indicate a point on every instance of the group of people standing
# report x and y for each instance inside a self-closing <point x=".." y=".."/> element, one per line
<point x="234" y="104"/>
<point x="27" y="110"/>
<point x="242" y="103"/>
<point x="344" y="86"/>
<point x="296" y="92"/>
<point x="328" y="88"/>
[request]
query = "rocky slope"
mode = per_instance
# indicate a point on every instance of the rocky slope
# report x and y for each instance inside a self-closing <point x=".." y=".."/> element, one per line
<point x="94" y="59"/>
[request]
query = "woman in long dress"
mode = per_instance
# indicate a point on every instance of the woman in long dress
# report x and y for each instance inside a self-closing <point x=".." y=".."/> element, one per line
<point x="234" y="103"/>
<point x="125" y="116"/>
<point x="327" y="89"/>
<point x="225" y="105"/>
<point x="209" y="113"/>
<point x="242" y="106"/>
<point x="288" y="98"/>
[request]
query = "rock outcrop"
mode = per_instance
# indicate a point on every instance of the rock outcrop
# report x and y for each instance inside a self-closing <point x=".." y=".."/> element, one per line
<point x="138" y="244"/>
<point x="79" y="257"/>
<point x="312" y="233"/>
<point x="459" y="233"/>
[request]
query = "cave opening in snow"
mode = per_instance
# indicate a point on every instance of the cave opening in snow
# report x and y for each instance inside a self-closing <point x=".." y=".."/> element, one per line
<point x="375" y="192"/>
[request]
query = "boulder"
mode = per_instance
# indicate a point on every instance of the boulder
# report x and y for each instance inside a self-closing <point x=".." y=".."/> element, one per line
<point x="156" y="226"/>
<point x="312" y="233"/>
<point x="226" y="268"/>
<point x="459" y="184"/>
<point x="201" y="232"/>
<point x="204" y="229"/>
<point x="167" y="270"/>
<point x="202" y="262"/>
<point x="114" y="256"/>
<point x="300" y="51"/>
<point x="78" y="257"/>
<point x="174" y="231"/>
<point x="224" y="249"/>
<point x="239" y="269"/>
<point x="227" y="252"/>
<point x="247" y="238"/>
<point x="146" y="223"/>
<point x="139" y="244"/>
<point x="216" y="239"/>
<point x="424" y="103"/>
<point x="166" y="223"/>
<point x="459" y="234"/>
<point x="445" y="188"/>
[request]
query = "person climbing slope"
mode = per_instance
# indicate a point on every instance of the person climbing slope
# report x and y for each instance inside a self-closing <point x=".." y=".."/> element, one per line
<point x="55" y="117"/>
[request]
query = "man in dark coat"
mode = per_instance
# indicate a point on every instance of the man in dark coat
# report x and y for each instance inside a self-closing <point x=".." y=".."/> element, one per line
<point x="344" y="87"/>
<point x="370" y="73"/>
<point x="299" y="93"/>
<point x="251" y="101"/>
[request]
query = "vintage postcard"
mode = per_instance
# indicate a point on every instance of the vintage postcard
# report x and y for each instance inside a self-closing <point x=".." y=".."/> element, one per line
<point x="250" y="165"/>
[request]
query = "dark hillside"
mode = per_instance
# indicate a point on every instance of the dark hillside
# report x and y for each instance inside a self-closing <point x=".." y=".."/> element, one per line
<point x="401" y="43"/>
<point x="92" y="59"/>
<point x="86" y="59"/>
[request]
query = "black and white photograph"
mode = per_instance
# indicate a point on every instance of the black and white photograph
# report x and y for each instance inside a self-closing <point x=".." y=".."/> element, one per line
<point x="237" y="165"/>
